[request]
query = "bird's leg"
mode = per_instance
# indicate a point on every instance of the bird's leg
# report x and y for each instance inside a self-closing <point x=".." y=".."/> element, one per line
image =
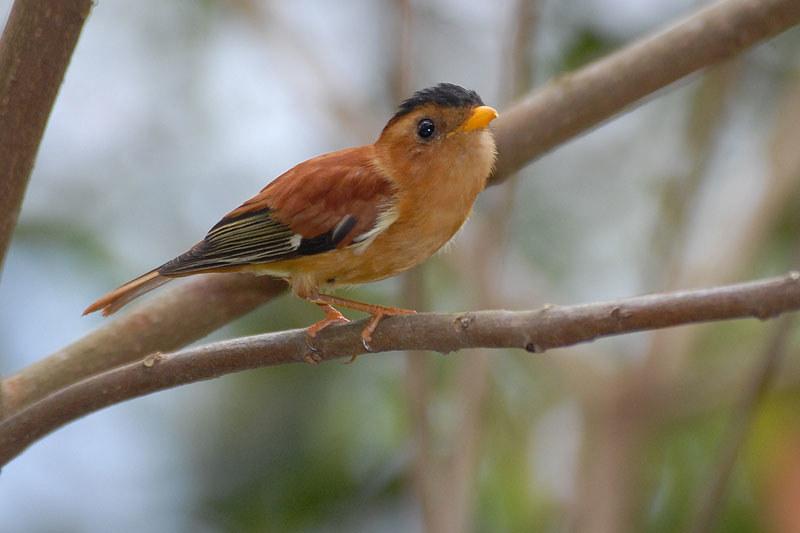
<point x="377" y="312"/>
<point x="332" y="316"/>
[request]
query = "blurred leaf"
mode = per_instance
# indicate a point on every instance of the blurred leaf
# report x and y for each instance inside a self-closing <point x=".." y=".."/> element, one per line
<point x="584" y="48"/>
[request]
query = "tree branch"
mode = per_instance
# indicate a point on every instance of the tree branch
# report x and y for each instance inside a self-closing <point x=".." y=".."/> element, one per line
<point x="552" y="115"/>
<point x="574" y="103"/>
<point x="35" y="49"/>
<point x="166" y="323"/>
<point x="535" y="331"/>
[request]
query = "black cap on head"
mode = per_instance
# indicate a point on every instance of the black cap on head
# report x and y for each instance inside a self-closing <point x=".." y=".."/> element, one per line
<point x="444" y="94"/>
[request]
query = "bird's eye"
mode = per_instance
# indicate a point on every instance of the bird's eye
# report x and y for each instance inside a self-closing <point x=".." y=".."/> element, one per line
<point x="425" y="128"/>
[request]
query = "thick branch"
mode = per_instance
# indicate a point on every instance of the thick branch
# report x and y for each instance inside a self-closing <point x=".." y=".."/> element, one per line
<point x="168" y="322"/>
<point x="574" y="103"/>
<point x="535" y="331"/>
<point x="35" y="49"/>
<point x="553" y="115"/>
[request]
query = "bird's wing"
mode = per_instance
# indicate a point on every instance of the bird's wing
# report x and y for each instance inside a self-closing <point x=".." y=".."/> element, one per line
<point x="332" y="201"/>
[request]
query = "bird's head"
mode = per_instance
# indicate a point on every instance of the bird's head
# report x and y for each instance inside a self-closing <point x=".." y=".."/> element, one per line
<point x="439" y="130"/>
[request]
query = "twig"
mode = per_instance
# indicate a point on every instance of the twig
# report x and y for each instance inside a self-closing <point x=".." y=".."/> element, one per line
<point x="667" y="359"/>
<point x="707" y="111"/>
<point x="712" y="497"/>
<point x="458" y="475"/>
<point x="710" y="502"/>
<point x="610" y="510"/>
<point x="535" y="331"/>
<point x="725" y="263"/>
<point x="425" y="469"/>
<point x="35" y="49"/>
<point x="549" y="117"/>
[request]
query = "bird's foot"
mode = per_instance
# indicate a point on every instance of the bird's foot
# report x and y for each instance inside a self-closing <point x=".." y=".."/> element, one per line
<point x="332" y="316"/>
<point x="379" y="312"/>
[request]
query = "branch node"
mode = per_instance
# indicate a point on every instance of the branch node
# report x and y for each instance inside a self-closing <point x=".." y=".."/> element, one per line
<point x="151" y="360"/>
<point x="545" y="308"/>
<point x="765" y="314"/>
<point x="532" y="347"/>
<point x="464" y="321"/>
<point x="620" y="313"/>
<point x="314" y="355"/>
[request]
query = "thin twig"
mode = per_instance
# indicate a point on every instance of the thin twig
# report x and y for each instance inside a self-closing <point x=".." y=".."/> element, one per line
<point x="425" y="469"/>
<point x="723" y="264"/>
<point x="712" y="497"/>
<point x="706" y="120"/>
<point x="534" y="331"/>
<point x="459" y="468"/>
<point x="609" y="510"/>
<point x="710" y="503"/>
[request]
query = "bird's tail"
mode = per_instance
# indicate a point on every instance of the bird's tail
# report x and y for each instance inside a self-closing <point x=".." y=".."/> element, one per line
<point x="115" y="299"/>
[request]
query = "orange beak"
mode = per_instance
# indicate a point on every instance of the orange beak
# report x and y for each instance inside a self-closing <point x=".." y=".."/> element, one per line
<point x="480" y="118"/>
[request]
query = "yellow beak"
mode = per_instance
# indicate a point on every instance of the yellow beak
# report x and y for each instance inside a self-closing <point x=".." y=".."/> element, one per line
<point x="480" y="118"/>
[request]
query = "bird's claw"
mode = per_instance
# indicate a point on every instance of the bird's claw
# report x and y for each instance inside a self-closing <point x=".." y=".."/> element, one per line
<point x="314" y="355"/>
<point x="312" y="358"/>
<point x="367" y="348"/>
<point x="365" y="343"/>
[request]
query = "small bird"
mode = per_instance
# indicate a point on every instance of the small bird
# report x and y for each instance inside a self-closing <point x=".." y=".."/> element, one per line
<point x="352" y="216"/>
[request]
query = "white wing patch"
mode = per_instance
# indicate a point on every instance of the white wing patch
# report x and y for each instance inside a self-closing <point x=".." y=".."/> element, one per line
<point x="386" y="217"/>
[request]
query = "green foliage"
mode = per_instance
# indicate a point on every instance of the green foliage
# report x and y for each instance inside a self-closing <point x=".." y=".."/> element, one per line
<point x="585" y="47"/>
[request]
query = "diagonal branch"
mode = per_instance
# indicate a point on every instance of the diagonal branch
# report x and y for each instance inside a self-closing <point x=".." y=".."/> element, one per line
<point x="168" y="322"/>
<point x="712" y="497"/>
<point x="572" y="104"/>
<point x="35" y="49"/>
<point x="535" y="331"/>
<point x="558" y="112"/>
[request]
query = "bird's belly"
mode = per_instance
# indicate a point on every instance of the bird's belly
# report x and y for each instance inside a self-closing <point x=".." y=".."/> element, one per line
<point x="402" y="246"/>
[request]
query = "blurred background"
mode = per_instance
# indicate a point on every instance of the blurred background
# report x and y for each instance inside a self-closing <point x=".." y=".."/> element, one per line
<point x="173" y="113"/>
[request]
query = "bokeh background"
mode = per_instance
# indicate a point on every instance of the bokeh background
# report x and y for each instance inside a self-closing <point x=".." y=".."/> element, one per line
<point x="172" y="113"/>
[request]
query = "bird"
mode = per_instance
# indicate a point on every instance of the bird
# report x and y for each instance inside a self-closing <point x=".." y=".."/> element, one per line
<point x="352" y="216"/>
